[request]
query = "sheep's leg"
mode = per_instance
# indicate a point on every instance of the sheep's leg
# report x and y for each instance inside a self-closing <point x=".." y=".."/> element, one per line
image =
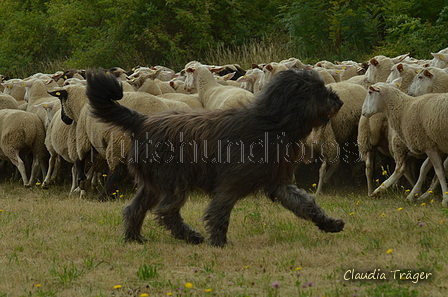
<point x="424" y="169"/>
<point x="409" y="177"/>
<point x="322" y="171"/>
<point x="331" y="170"/>
<point x="57" y="166"/>
<point x="370" y="160"/>
<point x="51" y="167"/>
<point x="18" y="162"/>
<point x="34" y="169"/>
<point x="74" y="179"/>
<point x="436" y="161"/>
<point x="400" y="170"/>
<point x="434" y="184"/>
<point x="81" y="176"/>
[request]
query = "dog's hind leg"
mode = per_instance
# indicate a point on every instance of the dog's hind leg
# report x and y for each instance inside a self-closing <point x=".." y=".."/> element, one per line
<point x="168" y="215"/>
<point x="135" y="212"/>
<point x="304" y="206"/>
<point x="217" y="218"/>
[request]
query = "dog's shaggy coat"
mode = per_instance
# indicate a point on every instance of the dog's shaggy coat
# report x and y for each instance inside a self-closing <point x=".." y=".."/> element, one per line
<point x="227" y="153"/>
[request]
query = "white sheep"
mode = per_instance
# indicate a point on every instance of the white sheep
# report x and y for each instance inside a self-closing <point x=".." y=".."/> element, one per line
<point x="22" y="132"/>
<point x="271" y="69"/>
<point x="251" y="80"/>
<point x="109" y="142"/>
<point x="212" y="94"/>
<point x="420" y="122"/>
<point x="407" y="72"/>
<point x="37" y="93"/>
<point x="378" y="71"/>
<point x="192" y="100"/>
<point x="178" y="85"/>
<point x="429" y="80"/>
<point x="16" y="90"/>
<point x="340" y="132"/>
<point x="8" y="101"/>
<point x="440" y="59"/>
<point x="59" y="143"/>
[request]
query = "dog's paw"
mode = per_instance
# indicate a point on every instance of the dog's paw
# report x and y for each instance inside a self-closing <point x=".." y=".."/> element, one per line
<point x="194" y="238"/>
<point x="332" y="225"/>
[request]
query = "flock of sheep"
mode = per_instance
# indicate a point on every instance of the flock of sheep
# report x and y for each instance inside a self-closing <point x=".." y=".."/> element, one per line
<point x="395" y="106"/>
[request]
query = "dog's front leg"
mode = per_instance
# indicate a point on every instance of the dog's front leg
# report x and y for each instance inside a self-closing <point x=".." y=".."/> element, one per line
<point x="217" y="218"/>
<point x="304" y="206"/>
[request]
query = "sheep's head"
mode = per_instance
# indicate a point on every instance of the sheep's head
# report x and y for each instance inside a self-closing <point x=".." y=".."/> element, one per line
<point x="189" y="84"/>
<point x="62" y="95"/>
<point x="73" y="98"/>
<point x="375" y="99"/>
<point x="422" y="83"/>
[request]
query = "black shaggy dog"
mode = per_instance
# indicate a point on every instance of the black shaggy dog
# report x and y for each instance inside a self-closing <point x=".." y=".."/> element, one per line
<point x="226" y="153"/>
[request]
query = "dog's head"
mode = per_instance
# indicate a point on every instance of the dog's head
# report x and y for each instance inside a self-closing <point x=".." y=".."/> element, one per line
<point x="299" y="99"/>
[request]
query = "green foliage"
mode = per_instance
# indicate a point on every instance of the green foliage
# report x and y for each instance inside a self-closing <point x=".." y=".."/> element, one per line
<point x="146" y="272"/>
<point x="51" y="34"/>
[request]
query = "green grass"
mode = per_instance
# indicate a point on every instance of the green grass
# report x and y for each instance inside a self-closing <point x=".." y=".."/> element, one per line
<point x="55" y="245"/>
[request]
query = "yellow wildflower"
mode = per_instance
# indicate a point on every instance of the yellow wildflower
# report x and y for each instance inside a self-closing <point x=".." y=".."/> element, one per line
<point x="37" y="184"/>
<point x="104" y="175"/>
<point x="400" y="208"/>
<point x="144" y="295"/>
<point x="389" y="251"/>
<point x="423" y="204"/>
<point x="298" y="268"/>
<point x="38" y="285"/>
<point x="382" y="215"/>
<point x="207" y="290"/>
<point x="314" y="185"/>
<point x="407" y="191"/>
<point x="188" y="285"/>
<point x="352" y="213"/>
<point x="118" y="286"/>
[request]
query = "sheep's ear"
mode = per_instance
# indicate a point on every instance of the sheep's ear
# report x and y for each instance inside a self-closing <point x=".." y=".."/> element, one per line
<point x="61" y="94"/>
<point x="244" y="78"/>
<point x="45" y="105"/>
<point x="216" y="69"/>
<point x="255" y="66"/>
<point x="374" y="88"/>
<point x="229" y="76"/>
<point x="269" y="67"/>
<point x="400" y="67"/>
<point x="189" y="70"/>
<point x="427" y="73"/>
<point x="400" y="58"/>
<point x="374" y="62"/>
<point x="440" y="57"/>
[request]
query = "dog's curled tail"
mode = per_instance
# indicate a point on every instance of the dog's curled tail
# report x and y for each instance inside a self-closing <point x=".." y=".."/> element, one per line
<point x="103" y="89"/>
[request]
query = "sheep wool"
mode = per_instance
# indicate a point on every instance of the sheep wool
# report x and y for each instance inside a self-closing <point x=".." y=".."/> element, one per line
<point x="420" y="122"/>
<point x="22" y="132"/>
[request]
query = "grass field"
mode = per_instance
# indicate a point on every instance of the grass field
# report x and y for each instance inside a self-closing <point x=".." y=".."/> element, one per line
<point x="55" y="245"/>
